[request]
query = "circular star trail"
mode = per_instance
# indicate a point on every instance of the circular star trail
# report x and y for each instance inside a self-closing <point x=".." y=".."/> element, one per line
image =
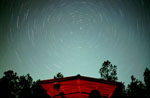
<point x="74" y="37"/>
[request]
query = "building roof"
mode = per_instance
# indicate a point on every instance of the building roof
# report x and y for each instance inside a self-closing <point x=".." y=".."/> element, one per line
<point x="79" y="86"/>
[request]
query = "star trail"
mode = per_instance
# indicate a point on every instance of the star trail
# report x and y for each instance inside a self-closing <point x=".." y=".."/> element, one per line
<point x="43" y="37"/>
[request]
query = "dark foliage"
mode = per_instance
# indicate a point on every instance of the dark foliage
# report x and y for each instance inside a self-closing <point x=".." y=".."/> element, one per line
<point x="13" y="86"/>
<point x="136" y="88"/>
<point x="147" y="82"/>
<point x="38" y="91"/>
<point x="59" y="75"/>
<point x="120" y="92"/>
<point x="108" y="71"/>
<point x="9" y="85"/>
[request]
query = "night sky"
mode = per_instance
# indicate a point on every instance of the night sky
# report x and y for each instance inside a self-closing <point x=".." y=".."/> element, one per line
<point x="44" y="37"/>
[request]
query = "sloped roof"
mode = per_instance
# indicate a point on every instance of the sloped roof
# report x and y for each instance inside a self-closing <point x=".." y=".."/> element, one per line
<point x="76" y="86"/>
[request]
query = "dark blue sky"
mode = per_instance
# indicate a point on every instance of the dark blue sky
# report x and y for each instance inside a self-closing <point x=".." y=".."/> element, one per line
<point x="44" y="37"/>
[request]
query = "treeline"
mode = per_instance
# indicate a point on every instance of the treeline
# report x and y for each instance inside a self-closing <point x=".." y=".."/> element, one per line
<point x="14" y="86"/>
<point x="135" y="89"/>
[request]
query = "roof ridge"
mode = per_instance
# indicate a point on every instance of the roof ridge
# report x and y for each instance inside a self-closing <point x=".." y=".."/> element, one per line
<point x="78" y="76"/>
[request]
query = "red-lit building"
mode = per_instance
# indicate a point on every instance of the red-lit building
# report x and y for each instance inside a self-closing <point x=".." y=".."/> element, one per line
<point x="78" y="87"/>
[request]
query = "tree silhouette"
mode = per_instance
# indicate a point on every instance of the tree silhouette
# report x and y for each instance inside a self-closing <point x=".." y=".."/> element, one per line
<point x="25" y="86"/>
<point x="59" y="75"/>
<point x="120" y="91"/>
<point x="9" y="87"/>
<point x="147" y="82"/>
<point x="38" y="91"/>
<point x="13" y="86"/>
<point x="108" y="71"/>
<point x="136" y="88"/>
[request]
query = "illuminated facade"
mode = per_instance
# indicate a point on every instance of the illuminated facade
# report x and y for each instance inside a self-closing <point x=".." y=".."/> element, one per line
<point x="79" y="87"/>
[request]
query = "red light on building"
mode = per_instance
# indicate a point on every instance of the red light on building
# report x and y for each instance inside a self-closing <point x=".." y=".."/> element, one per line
<point x="78" y="87"/>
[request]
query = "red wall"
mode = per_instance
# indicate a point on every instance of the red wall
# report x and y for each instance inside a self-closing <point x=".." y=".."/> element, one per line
<point x="79" y="88"/>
